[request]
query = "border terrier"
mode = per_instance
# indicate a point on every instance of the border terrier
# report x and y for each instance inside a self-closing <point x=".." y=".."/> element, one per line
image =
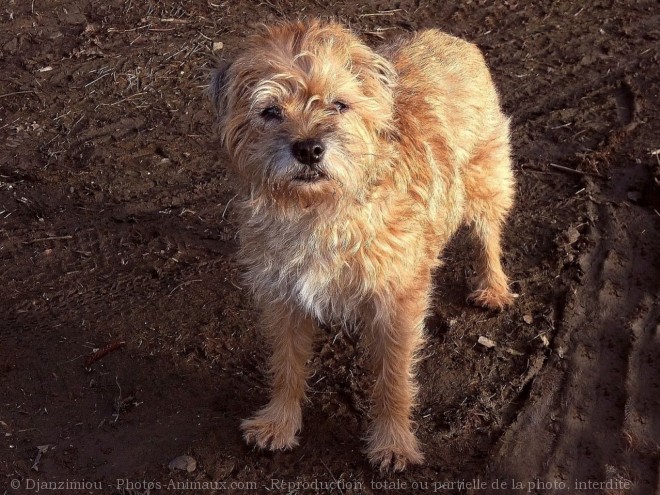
<point x="355" y="167"/>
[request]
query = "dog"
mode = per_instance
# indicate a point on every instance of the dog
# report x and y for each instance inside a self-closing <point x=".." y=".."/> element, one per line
<point x="355" y="167"/>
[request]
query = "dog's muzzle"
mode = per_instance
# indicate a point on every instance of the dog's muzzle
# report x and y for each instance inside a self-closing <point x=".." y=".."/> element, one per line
<point x="309" y="152"/>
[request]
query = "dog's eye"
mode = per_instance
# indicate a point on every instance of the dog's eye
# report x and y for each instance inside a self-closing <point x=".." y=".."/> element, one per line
<point x="340" y="106"/>
<point x="272" y="113"/>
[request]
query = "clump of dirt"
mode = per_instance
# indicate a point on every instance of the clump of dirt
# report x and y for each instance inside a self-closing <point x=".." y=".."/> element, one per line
<point x="128" y="342"/>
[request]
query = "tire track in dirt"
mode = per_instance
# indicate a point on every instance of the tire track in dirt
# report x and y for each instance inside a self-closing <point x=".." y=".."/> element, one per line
<point x="593" y="411"/>
<point x="107" y="269"/>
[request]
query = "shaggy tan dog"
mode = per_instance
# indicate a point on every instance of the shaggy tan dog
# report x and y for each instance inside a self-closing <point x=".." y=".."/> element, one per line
<point x="355" y="168"/>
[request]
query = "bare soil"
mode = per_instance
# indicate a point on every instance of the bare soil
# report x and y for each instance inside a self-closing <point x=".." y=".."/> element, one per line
<point x="116" y="226"/>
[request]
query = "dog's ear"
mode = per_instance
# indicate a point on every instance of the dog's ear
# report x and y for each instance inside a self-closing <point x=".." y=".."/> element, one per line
<point x="217" y="90"/>
<point x="378" y="77"/>
<point x="385" y="71"/>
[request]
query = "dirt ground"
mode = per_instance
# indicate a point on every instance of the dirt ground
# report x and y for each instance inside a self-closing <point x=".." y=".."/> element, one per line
<point x="116" y="226"/>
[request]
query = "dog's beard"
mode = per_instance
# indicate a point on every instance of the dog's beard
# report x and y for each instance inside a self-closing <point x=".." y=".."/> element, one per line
<point x="344" y="174"/>
<point x="294" y="184"/>
<point x="284" y="170"/>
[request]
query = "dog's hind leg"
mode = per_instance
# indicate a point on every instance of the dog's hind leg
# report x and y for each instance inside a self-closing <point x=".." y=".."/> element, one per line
<point x="489" y="185"/>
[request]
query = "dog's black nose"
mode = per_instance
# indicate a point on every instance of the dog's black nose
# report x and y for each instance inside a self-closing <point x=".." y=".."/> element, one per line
<point x="308" y="151"/>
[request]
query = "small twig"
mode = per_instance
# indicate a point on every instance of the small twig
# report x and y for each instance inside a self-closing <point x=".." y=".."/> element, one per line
<point x="10" y="123"/>
<point x="174" y="21"/>
<point x="75" y="124"/>
<point x="55" y="238"/>
<point x="184" y="284"/>
<point x="333" y="476"/>
<point x="103" y="351"/>
<point x="97" y="79"/>
<point x="17" y="93"/>
<point x="41" y="450"/>
<point x="72" y="360"/>
<point x="378" y="32"/>
<point x="175" y="54"/>
<point x="120" y="101"/>
<point x="118" y="400"/>
<point x="573" y="171"/>
<point x="381" y="12"/>
<point x="115" y="30"/>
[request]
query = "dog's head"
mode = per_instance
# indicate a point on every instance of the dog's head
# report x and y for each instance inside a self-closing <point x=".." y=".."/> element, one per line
<point x="303" y="114"/>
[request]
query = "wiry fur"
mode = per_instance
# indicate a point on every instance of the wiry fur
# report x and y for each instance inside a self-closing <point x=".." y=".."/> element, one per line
<point x="422" y="148"/>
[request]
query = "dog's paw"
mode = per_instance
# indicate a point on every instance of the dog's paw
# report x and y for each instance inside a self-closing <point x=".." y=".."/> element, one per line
<point x="395" y="459"/>
<point x="271" y="431"/>
<point x="490" y="298"/>
<point x="394" y="450"/>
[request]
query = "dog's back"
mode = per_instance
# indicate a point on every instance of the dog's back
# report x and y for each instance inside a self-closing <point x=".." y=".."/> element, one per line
<point x="445" y="87"/>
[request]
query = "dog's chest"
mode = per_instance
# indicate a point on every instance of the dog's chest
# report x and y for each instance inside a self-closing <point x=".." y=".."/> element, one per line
<point x="329" y="272"/>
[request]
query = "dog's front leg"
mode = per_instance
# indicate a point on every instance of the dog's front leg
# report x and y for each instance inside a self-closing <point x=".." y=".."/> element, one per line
<point x="291" y="335"/>
<point x="396" y="334"/>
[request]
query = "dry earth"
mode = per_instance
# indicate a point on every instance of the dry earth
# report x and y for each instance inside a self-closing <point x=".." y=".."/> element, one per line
<point x="116" y="226"/>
